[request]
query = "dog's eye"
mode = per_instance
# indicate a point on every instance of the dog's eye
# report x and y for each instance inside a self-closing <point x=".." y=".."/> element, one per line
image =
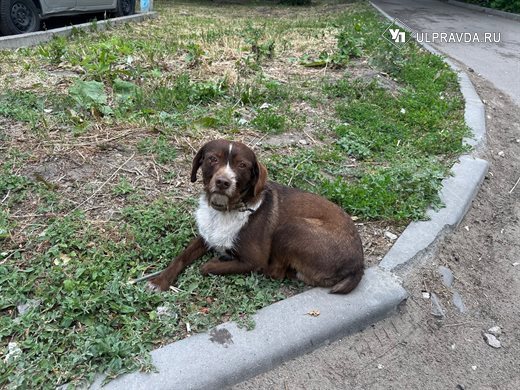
<point x="212" y="159"/>
<point x="242" y="165"/>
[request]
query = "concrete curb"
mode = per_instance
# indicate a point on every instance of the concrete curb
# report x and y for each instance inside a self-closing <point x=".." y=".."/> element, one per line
<point x="457" y="193"/>
<point x="490" y="11"/>
<point x="419" y="238"/>
<point x="283" y="330"/>
<point x="35" y="38"/>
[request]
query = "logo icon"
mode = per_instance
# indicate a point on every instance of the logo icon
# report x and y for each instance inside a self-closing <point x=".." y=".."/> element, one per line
<point x="398" y="33"/>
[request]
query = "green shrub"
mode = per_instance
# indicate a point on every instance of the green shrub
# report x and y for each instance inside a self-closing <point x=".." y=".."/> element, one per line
<point x="503" y="5"/>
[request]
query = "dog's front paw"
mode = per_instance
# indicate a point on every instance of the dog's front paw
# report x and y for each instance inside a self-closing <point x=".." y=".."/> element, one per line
<point x="210" y="267"/>
<point x="158" y="284"/>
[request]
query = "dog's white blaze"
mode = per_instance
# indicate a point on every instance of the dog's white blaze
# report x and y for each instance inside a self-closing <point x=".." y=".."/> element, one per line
<point x="230" y="174"/>
<point x="228" y="171"/>
<point x="220" y="228"/>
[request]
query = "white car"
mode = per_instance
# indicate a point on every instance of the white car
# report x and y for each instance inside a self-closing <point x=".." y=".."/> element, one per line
<point x="23" y="16"/>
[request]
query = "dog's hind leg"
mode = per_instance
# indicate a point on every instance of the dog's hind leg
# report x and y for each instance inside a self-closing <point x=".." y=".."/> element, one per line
<point x="277" y="268"/>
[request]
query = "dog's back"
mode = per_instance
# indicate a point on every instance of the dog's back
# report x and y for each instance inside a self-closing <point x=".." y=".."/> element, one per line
<point x="307" y="236"/>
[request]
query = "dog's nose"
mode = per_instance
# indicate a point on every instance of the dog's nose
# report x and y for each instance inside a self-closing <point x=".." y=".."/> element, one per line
<point x="223" y="183"/>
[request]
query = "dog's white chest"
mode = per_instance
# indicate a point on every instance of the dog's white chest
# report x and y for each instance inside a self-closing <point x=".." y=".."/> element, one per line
<point x="220" y="229"/>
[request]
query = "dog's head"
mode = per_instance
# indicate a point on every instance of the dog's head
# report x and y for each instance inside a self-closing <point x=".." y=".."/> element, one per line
<point x="230" y="172"/>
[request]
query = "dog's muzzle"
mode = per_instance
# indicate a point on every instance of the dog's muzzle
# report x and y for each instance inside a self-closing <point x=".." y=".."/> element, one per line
<point x="219" y="202"/>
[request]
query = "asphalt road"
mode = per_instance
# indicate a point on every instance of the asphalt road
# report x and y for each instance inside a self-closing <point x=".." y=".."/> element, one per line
<point x="497" y="62"/>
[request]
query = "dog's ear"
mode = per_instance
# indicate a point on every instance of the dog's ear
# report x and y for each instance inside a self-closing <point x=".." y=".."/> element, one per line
<point x="197" y="162"/>
<point x="261" y="177"/>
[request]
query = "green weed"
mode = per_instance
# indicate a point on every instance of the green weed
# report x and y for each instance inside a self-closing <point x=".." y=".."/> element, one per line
<point x="160" y="147"/>
<point x="90" y="97"/>
<point x="194" y="53"/>
<point x="400" y="192"/>
<point x="105" y="60"/>
<point x="124" y="187"/>
<point x="268" y="121"/>
<point x="182" y="93"/>
<point x="350" y="44"/>
<point x="258" y="47"/>
<point x="22" y="106"/>
<point x="12" y="185"/>
<point x="262" y="91"/>
<point x="55" y="50"/>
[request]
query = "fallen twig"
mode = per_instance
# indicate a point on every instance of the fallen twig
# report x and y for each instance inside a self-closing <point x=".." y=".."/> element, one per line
<point x="81" y="155"/>
<point x="512" y="189"/>
<point x="160" y="166"/>
<point x="191" y="146"/>
<point x="10" y="255"/>
<point x="144" y="277"/>
<point x="93" y="143"/>
<point x="309" y="136"/>
<point x="6" y="258"/>
<point x="33" y="215"/>
<point x="254" y="142"/>
<point x="6" y="196"/>
<point x="154" y="166"/>
<point x="93" y="208"/>
<point x="175" y="289"/>
<point x="134" y="171"/>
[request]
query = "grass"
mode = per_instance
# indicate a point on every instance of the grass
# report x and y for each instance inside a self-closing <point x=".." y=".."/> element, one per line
<point x="22" y="106"/>
<point x="87" y="315"/>
<point x="268" y="121"/>
<point x="98" y="131"/>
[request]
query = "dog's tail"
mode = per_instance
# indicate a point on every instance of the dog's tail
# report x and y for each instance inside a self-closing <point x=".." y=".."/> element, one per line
<point x="348" y="284"/>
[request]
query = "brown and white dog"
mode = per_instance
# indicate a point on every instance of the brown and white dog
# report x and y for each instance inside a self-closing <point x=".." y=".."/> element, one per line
<point x="261" y="226"/>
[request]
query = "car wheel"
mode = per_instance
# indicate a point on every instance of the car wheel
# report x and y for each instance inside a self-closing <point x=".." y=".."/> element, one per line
<point x="125" y="7"/>
<point x="18" y="17"/>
